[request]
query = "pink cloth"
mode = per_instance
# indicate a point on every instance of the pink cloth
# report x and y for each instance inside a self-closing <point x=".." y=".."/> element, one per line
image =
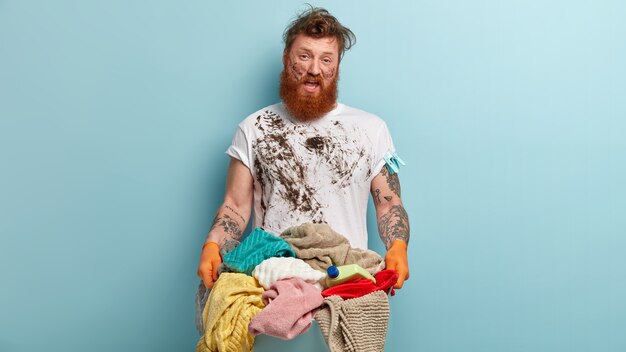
<point x="290" y="305"/>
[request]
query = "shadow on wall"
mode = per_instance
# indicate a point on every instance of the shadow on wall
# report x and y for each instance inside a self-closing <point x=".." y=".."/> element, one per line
<point x="266" y="77"/>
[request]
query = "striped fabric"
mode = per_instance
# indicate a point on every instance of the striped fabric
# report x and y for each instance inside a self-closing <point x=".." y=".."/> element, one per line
<point x="257" y="247"/>
<point x="355" y="325"/>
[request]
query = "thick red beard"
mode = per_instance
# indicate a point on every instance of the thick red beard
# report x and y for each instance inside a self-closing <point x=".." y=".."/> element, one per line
<point x="307" y="107"/>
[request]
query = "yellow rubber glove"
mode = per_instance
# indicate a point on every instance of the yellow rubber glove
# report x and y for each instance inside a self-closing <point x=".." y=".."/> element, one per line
<point x="396" y="259"/>
<point x="210" y="261"/>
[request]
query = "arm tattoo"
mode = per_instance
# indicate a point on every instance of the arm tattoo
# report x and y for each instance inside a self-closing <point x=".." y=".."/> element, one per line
<point x="392" y="180"/>
<point x="229" y="225"/>
<point x="234" y="211"/>
<point x="377" y="196"/>
<point x="394" y="225"/>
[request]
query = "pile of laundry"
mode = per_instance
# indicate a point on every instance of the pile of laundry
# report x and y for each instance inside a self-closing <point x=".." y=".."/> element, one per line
<point x="275" y="285"/>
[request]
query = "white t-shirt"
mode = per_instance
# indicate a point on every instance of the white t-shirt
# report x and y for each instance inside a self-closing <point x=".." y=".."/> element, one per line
<point x="317" y="171"/>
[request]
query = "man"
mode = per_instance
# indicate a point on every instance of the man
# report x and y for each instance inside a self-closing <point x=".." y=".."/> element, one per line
<point x="311" y="159"/>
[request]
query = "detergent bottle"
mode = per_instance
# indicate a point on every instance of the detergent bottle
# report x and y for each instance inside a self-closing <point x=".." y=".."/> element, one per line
<point x="336" y="275"/>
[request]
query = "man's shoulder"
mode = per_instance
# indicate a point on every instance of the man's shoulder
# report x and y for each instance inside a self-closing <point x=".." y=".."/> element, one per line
<point x="274" y="110"/>
<point x="361" y="116"/>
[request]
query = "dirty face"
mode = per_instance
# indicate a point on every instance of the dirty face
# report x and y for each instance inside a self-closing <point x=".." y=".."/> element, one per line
<point x="309" y="79"/>
<point x="312" y="62"/>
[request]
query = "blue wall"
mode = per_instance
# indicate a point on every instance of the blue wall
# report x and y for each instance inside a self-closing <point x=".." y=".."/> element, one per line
<point x="114" y="116"/>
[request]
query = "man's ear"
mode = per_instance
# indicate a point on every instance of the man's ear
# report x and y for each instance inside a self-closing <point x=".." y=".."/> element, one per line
<point x="284" y="56"/>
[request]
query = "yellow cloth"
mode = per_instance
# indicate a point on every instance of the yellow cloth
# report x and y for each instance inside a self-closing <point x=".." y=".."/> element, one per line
<point x="233" y="302"/>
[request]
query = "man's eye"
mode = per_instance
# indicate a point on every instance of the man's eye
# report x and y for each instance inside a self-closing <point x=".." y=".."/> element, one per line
<point x="304" y="57"/>
<point x="326" y="61"/>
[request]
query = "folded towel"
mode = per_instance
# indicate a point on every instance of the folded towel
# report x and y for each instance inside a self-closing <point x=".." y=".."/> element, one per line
<point x="320" y="247"/>
<point x="234" y="300"/>
<point x="257" y="247"/>
<point x="384" y="282"/>
<point x="278" y="268"/>
<point x="355" y="325"/>
<point x="290" y="306"/>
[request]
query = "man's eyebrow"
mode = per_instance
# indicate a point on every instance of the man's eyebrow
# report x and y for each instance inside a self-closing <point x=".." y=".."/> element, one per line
<point x="329" y="53"/>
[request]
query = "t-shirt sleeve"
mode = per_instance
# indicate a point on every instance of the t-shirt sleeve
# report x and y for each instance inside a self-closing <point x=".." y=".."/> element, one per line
<point x="382" y="144"/>
<point x="239" y="147"/>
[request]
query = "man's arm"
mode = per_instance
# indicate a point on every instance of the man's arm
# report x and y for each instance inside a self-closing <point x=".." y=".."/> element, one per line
<point x="229" y="222"/>
<point x="393" y="222"/>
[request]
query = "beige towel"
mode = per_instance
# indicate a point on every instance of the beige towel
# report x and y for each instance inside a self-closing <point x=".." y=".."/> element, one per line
<point x="355" y="325"/>
<point x="320" y="247"/>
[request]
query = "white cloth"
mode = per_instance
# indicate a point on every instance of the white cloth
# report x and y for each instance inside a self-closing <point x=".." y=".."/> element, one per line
<point x="277" y="268"/>
<point x="317" y="171"/>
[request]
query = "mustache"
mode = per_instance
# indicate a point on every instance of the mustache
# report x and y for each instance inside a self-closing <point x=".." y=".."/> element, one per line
<point x="311" y="78"/>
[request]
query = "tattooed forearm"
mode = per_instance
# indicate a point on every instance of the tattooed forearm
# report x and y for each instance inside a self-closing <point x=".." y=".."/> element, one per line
<point x="230" y="227"/>
<point x="394" y="225"/>
<point x="392" y="181"/>
<point x="234" y="211"/>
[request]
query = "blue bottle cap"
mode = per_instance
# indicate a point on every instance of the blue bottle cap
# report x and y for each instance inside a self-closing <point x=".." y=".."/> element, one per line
<point x="332" y="272"/>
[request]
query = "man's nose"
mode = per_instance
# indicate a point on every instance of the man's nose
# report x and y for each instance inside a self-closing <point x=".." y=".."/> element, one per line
<point x="314" y="68"/>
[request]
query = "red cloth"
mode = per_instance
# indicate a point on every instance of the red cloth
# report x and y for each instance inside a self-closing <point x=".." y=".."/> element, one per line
<point x="384" y="281"/>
